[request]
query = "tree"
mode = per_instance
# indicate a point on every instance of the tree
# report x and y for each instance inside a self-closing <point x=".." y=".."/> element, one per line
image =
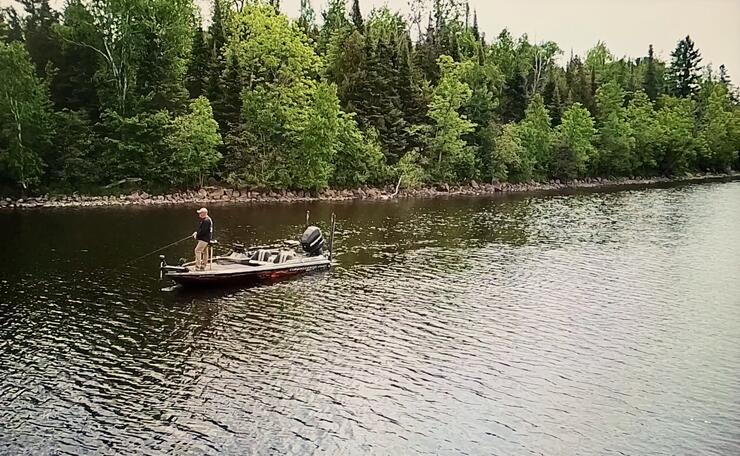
<point x="673" y="138"/>
<point x="289" y="128"/>
<point x="73" y="84"/>
<point x="720" y="132"/>
<point x="536" y="136"/>
<point x="507" y="155"/>
<point x="194" y="139"/>
<point x="452" y="157"/>
<point x="25" y="124"/>
<point x="143" y="46"/>
<point x="476" y="32"/>
<point x="335" y="21"/>
<point x="640" y="116"/>
<point x="615" y="139"/>
<point x="651" y="84"/>
<point x="196" y="79"/>
<point x="684" y="73"/>
<point x="307" y="20"/>
<point x="356" y="16"/>
<point x="598" y="61"/>
<point x="573" y="147"/>
<point x="359" y="158"/>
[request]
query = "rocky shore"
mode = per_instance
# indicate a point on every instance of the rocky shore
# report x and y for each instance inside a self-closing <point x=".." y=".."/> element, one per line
<point x="229" y="195"/>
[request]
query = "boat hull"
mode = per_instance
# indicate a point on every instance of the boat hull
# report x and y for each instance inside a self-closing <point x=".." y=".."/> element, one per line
<point x="244" y="276"/>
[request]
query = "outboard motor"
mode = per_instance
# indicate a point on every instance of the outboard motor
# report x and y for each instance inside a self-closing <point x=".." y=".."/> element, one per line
<point x="312" y="241"/>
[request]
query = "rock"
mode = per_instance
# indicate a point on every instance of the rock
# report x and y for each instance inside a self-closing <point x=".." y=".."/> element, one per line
<point x="443" y="188"/>
<point x="202" y="193"/>
<point x="557" y="181"/>
<point x="474" y="184"/>
<point x="134" y="196"/>
<point x="20" y="201"/>
<point x="145" y="195"/>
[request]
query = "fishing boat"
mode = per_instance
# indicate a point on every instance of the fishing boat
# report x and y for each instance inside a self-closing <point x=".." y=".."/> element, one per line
<point x="256" y="264"/>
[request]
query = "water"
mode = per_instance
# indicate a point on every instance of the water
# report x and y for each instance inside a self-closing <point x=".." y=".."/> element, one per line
<point x="602" y="323"/>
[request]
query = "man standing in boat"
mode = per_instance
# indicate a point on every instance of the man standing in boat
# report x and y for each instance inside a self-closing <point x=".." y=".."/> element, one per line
<point x="203" y="236"/>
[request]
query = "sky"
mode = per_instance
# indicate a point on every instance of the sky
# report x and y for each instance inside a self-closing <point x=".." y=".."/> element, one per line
<point x="626" y="26"/>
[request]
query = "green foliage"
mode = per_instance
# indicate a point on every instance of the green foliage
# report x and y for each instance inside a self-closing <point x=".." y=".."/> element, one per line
<point x="720" y="132"/>
<point x="683" y="75"/>
<point x="73" y="165"/>
<point x="615" y="139"/>
<point x="673" y="138"/>
<point x="196" y="79"/>
<point x="267" y="48"/>
<point x="410" y="169"/>
<point x="135" y="146"/>
<point x="536" y="133"/>
<point x="508" y="155"/>
<point x="25" y="124"/>
<point x="193" y="139"/>
<point x="453" y="159"/>
<point x="652" y="83"/>
<point x="572" y="143"/>
<point x="359" y="158"/>
<point x="110" y="89"/>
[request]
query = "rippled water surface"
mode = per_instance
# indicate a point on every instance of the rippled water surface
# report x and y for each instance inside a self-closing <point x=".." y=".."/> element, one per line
<point x="603" y="323"/>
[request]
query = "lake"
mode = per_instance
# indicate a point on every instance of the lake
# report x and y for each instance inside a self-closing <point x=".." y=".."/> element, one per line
<point x="579" y="324"/>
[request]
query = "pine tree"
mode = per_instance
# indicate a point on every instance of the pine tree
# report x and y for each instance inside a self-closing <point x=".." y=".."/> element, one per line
<point x="216" y="66"/>
<point x="651" y="83"/>
<point x="356" y="16"/>
<point x="684" y="72"/>
<point x="42" y="43"/>
<point x="196" y="79"/>
<point x="476" y="33"/>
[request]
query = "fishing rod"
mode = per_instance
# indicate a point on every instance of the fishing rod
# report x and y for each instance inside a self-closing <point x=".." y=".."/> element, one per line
<point x="158" y="250"/>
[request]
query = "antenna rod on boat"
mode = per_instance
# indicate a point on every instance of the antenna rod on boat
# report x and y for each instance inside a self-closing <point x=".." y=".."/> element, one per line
<point x="331" y="240"/>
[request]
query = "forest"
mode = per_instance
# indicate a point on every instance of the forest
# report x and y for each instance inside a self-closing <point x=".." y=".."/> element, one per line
<point x="151" y="91"/>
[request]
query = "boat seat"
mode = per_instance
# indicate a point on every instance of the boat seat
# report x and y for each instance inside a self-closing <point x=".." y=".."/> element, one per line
<point x="282" y="257"/>
<point x="261" y="255"/>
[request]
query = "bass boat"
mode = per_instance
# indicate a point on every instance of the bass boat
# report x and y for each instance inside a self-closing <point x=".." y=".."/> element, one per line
<point x="256" y="264"/>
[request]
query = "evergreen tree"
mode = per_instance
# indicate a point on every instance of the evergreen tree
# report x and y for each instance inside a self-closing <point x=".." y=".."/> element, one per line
<point x="216" y="62"/>
<point x="476" y="32"/>
<point x="356" y="16"/>
<point x="73" y="85"/>
<point x="684" y="73"/>
<point x="196" y="78"/>
<point x="652" y="83"/>
<point x="42" y="43"/>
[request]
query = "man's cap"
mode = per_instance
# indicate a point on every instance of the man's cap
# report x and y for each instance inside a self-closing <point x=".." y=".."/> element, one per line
<point x="202" y="210"/>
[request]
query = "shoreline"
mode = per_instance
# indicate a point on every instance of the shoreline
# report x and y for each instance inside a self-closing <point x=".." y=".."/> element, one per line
<point x="228" y="195"/>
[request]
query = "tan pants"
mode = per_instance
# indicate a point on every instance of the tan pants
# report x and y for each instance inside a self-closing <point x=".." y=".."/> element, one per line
<point x="201" y="255"/>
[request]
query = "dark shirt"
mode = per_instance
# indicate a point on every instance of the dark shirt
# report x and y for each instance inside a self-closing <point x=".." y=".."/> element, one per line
<point x="205" y="230"/>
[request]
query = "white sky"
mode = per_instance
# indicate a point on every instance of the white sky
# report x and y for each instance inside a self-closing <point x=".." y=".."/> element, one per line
<point x="627" y="26"/>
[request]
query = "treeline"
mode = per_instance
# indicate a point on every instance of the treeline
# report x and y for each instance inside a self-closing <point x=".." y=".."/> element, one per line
<point x="114" y="89"/>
